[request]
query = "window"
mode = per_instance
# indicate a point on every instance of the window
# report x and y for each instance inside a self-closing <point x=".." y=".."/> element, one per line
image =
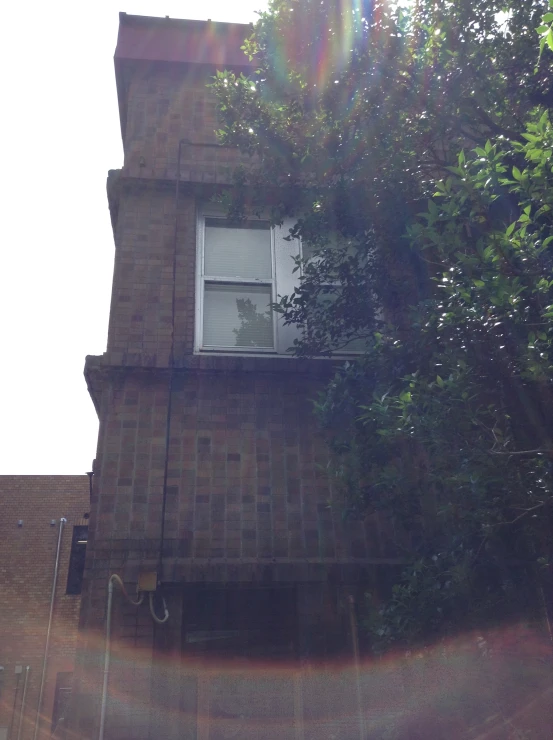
<point x="62" y="696"/>
<point x="76" y="560"/>
<point x="328" y="301"/>
<point x="242" y="268"/>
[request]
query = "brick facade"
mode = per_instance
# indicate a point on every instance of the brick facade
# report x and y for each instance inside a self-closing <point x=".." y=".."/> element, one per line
<point x="247" y="501"/>
<point x="27" y="559"/>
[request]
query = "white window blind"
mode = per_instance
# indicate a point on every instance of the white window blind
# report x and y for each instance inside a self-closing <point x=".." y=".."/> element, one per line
<point x="242" y="251"/>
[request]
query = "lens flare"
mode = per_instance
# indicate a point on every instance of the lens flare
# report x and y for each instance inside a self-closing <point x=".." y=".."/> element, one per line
<point x="485" y="686"/>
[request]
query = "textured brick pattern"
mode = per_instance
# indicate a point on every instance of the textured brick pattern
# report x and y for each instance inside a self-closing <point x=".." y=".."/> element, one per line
<point x="140" y="319"/>
<point x="166" y="106"/>
<point x="247" y="470"/>
<point x="248" y="498"/>
<point x="27" y="557"/>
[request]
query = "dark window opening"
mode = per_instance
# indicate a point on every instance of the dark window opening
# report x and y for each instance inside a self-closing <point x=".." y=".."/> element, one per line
<point x="76" y="560"/>
<point x="240" y="622"/>
<point x="61" y="698"/>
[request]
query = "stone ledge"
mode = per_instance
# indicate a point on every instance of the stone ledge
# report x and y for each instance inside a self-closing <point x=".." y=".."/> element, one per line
<point x="236" y="570"/>
<point x="118" y="365"/>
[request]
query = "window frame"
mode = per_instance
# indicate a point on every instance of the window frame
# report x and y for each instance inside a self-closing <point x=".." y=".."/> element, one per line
<point x="282" y="281"/>
<point x="343" y="352"/>
<point x="62" y="696"/>
<point x="76" y="564"/>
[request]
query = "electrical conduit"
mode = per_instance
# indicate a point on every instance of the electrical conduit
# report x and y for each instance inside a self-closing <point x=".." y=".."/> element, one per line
<point x="63" y="520"/>
<point x="22" y="708"/>
<point x="107" y="655"/>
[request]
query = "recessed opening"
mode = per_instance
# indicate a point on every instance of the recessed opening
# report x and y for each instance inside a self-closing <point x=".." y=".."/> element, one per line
<point x="77" y="560"/>
<point x="240" y="622"/>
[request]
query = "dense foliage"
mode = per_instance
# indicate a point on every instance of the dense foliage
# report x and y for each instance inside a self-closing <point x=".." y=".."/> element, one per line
<point x="414" y="147"/>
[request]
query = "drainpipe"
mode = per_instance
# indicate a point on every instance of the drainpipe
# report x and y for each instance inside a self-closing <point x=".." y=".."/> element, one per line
<point x="63" y="520"/>
<point x="22" y="708"/>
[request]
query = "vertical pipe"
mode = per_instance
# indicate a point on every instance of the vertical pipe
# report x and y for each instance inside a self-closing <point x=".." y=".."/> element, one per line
<point x="114" y="578"/>
<point x="16" y="693"/>
<point x="49" y="628"/>
<point x="355" y="646"/>
<point x="106" y="662"/>
<point x="22" y="708"/>
<point x="298" y="705"/>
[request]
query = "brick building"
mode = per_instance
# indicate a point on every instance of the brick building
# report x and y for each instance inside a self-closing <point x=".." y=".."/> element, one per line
<point x="210" y="471"/>
<point x="31" y="529"/>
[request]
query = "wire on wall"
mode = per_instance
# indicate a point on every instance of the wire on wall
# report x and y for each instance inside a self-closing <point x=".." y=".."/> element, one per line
<point x="171" y="367"/>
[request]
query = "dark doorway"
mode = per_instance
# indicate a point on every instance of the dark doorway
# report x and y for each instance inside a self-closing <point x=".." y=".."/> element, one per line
<point x="239" y="621"/>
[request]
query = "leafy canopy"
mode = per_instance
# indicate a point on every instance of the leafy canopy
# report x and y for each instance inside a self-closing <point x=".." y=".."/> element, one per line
<point x="414" y="147"/>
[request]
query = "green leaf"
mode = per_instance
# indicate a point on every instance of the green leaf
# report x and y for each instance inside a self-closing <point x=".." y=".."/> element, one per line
<point x="433" y="208"/>
<point x="517" y="173"/>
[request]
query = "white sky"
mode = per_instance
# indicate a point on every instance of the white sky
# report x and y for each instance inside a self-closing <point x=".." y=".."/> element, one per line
<point x="60" y="135"/>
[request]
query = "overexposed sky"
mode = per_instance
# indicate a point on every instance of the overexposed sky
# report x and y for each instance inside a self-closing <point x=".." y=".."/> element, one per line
<point x="60" y="135"/>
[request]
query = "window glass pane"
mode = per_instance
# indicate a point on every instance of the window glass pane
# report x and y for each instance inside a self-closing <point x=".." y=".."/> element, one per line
<point x="326" y="302"/>
<point x="237" y="316"/>
<point x="242" y="250"/>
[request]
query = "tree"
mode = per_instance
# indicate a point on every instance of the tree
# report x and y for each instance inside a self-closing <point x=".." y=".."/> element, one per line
<point x="457" y="431"/>
<point x="414" y="149"/>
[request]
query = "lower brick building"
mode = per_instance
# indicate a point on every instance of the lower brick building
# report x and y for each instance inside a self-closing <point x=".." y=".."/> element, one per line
<point x="44" y="521"/>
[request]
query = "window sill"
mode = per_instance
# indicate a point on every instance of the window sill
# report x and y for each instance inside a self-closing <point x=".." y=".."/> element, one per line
<point x="261" y="363"/>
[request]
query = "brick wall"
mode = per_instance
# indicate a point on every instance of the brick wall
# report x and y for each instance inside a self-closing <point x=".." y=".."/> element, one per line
<point x="27" y="558"/>
<point x="167" y="104"/>
<point x="248" y="501"/>
<point x="248" y="498"/>
<point x="247" y="470"/>
<point x="140" y="317"/>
